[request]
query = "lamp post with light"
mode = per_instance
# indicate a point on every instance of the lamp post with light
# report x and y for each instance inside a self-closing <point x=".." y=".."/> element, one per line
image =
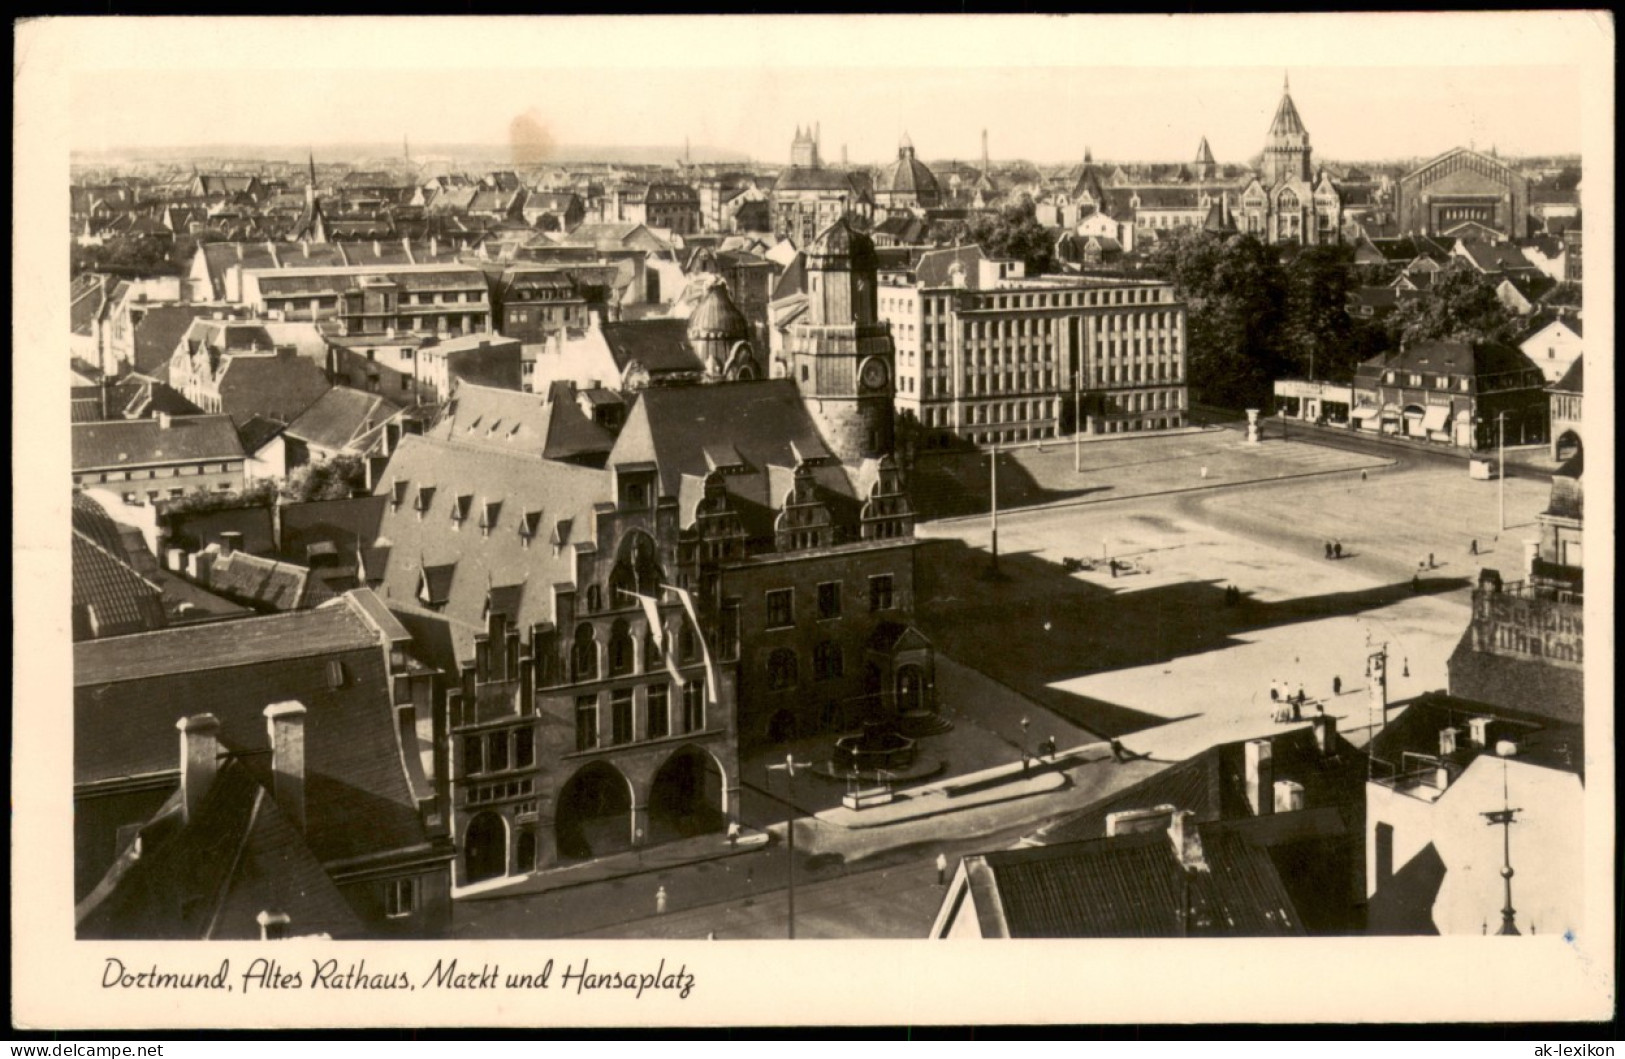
<point x="789" y="769"/>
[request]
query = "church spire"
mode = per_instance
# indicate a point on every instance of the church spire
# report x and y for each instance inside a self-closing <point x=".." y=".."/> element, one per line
<point x="1286" y="83"/>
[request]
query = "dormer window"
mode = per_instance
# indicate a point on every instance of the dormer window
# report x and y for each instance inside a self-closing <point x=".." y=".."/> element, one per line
<point x="424" y="500"/>
<point x="529" y="524"/>
<point x="460" y="507"/>
<point x="488" y="516"/>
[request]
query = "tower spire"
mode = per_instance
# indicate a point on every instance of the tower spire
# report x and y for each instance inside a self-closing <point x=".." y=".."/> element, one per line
<point x="1286" y="83"/>
<point x="1504" y="818"/>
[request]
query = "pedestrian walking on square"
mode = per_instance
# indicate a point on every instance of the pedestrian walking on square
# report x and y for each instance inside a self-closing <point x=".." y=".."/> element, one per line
<point x="1204" y="474"/>
<point x="1297" y="709"/>
<point x="1431" y="564"/>
<point x="1275" y="691"/>
<point x="1472" y="547"/>
<point x="660" y="901"/>
<point x="733" y="834"/>
<point x="1328" y="549"/>
<point x="1337" y="549"/>
<point x="1337" y="685"/>
<point x="942" y="869"/>
<point x="1117" y="750"/>
<point x="1416" y="584"/>
<point x="1362" y="476"/>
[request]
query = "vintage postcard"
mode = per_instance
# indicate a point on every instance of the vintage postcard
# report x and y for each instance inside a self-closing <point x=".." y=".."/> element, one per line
<point x="598" y="521"/>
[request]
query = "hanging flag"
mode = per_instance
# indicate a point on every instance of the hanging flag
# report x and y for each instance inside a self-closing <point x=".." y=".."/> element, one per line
<point x="705" y="650"/>
<point x="651" y="611"/>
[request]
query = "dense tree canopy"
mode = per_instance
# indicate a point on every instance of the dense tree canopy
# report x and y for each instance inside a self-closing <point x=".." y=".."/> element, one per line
<point x="1461" y="307"/>
<point x="338" y="478"/>
<point x="1014" y="231"/>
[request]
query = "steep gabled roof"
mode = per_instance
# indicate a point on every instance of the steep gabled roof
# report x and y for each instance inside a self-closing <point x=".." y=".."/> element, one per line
<point x="521" y="423"/>
<point x="144" y="442"/>
<point x="522" y="483"/>
<point x="210" y="878"/>
<point x="341" y="415"/>
<point x="130" y="690"/>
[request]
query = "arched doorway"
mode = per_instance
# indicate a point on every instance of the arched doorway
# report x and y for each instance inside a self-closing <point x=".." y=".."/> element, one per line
<point x="594" y="814"/>
<point x="1568" y="445"/>
<point x="910" y="689"/>
<point x="687" y="796"/>
<point x="485" y="847"/>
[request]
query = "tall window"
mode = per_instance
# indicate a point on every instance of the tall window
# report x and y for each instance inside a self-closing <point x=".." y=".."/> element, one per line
<point x="880" y="592"/>
<point x="499" y="751"/>
<point x="781" y="668"/>
<point x="829" y="600"/>
<point x="781" y="608"/>
<point x="586" y="722"/>
<point x="828" y="663"/>
<point x="659" y="725"/>
<point x="583" y="654"/>
<point x="620" y="649"/>
<point x="473" y="755"/>
<point x="400" y="898"/>
<point x="620" y="716"/>
<point x="651" y="653"/>
<point x="524" y="747"/>
<point x="694" y="706"/>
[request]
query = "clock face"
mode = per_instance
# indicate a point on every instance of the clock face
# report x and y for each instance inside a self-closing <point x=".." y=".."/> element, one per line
<point x="874" y="375"/>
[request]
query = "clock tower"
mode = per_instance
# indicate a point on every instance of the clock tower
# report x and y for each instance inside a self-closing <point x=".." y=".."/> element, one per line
<point x="841" y="354"/>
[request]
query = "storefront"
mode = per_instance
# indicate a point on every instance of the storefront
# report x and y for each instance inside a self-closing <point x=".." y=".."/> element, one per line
<point x="1366" y="418"/>
<point x="1314" y="402"/>
<point x="1436" y="423"/>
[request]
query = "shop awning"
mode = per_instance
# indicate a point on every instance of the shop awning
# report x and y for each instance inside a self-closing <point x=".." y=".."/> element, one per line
<point x="1437" y="417"/>
<point x="1413" y="413"/>
<point x="1364" y="413"/>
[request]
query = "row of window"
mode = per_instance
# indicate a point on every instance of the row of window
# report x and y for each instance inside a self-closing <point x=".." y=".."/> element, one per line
<point x="781" y="602"/>
<point x="499" y="751"/>
<point x="181" y="471"/>
<point x="657" y="719"/>
<point x="784" y="671"/>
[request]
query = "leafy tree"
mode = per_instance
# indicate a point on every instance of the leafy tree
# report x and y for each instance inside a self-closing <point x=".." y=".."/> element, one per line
<point x="1318" y="333"/>
<point x="1461" y="306"/>
<point x="1235" y="294"/>
<point x="1014" y="231"/>
<point x="125" y="256"/>
<point x="337" y="478"/>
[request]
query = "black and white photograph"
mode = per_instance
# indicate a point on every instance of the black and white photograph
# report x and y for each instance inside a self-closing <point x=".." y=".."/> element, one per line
<point x="545" y="495"/>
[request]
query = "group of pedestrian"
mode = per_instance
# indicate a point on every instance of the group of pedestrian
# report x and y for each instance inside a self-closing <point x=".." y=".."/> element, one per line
<point x="1334" y="549"/>
<point x="1232" y="595"/>
<point x="1289" y="702"/>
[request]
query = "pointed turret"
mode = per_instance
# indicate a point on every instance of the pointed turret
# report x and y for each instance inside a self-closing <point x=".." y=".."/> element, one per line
<point x="1286" y="147"/>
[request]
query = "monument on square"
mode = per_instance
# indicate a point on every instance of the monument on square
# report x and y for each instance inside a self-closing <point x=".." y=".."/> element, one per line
<point x="1253" y="437"/>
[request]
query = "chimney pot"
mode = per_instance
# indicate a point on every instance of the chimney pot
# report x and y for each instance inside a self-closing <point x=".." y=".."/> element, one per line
<point x="285" y="723"/>
<point x="200" y="760"/>
<point x="164" y="421"/>
<point x="1325" y="735"/>
<point x="1288" y="796"/>
<point x="1187" y="841"/>
<point x="1478" y="731"/>
<point x="1447" y="742"/>
<point x="230" y="541"/>
<point x="1260" y="776"/>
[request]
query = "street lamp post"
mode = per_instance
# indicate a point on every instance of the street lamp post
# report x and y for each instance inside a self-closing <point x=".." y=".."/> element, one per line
<point x="789" y="769"/>
<point x="1024" y="723"/>
<point x="1501" y="476"/>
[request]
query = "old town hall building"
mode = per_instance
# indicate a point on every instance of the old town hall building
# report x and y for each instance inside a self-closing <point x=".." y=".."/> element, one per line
<point x="735" y="572"/>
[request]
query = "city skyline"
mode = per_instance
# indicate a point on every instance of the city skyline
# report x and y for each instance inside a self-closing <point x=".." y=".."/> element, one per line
<point x="737" y="104"/>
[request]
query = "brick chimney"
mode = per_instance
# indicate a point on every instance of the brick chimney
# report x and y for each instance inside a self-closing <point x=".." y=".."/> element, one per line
<point x="1260" y="776"/>
<point x="285" y="722"/>
<point x="1326" y="735"/>
<point x="164" y="421"/>
<point x="231" y="542"/>
<point x="200" y="760"/>
<point x="1187" y="841"/>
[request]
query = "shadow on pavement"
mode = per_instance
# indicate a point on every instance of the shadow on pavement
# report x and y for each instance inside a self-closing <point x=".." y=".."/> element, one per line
<point x="948" y="485"/>
<point x="1039" y="626"/>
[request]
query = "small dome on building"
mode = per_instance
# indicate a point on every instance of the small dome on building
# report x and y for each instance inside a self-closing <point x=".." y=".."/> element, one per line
<point x="718" y="317"/>
<point x="909" y="176"/>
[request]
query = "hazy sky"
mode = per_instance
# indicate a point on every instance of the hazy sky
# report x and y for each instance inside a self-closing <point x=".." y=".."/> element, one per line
<point x="1044" y="88"/>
